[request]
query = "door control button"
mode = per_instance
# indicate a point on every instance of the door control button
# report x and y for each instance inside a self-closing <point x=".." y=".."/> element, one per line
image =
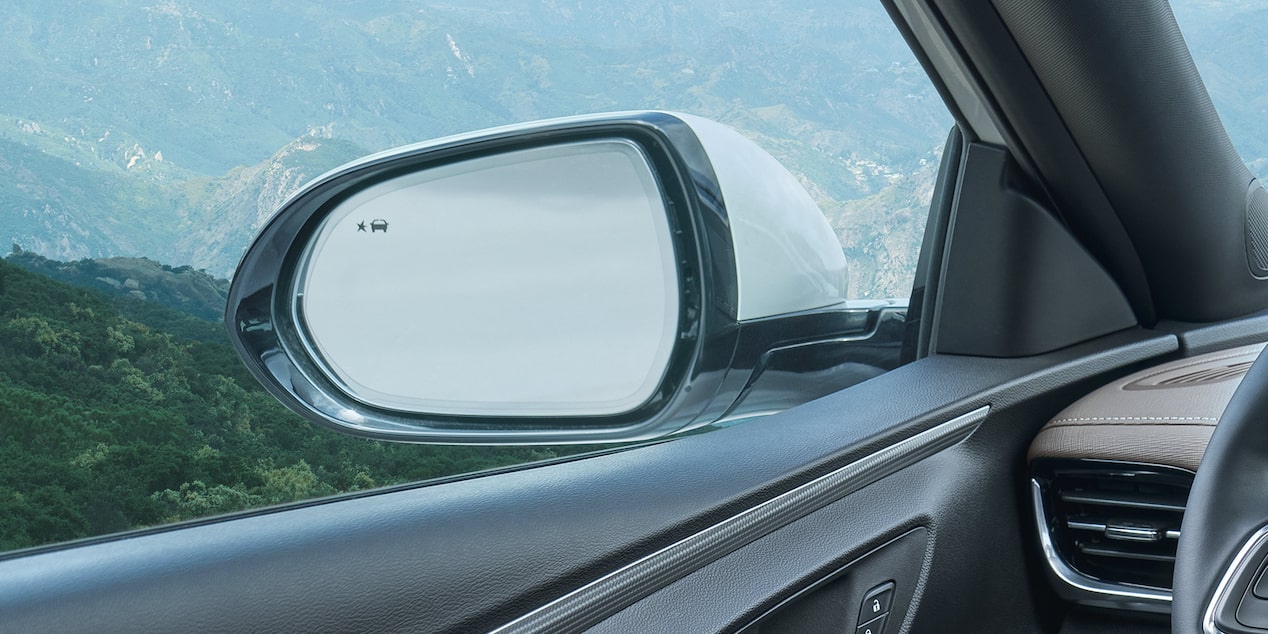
<point x="874" y="626"/>
<point x="876" y="602"/>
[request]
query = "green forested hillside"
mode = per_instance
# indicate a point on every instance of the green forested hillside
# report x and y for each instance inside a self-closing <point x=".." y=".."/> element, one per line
<point x="188" y="290"/>
<point x="108" y="424"/>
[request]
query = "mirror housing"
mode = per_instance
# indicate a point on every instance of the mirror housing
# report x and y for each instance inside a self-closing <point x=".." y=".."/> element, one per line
<point x="721" y="267"/>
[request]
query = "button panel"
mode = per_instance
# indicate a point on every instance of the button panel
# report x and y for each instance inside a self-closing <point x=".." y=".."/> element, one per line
<point x="876" y="602"/>
<point x="874" y="626"/>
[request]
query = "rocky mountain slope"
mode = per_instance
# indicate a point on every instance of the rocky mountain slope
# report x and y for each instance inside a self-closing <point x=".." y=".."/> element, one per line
<point x="170" y="128"/>
<point x="183" y="288"/>
<point x="153" y="127"/>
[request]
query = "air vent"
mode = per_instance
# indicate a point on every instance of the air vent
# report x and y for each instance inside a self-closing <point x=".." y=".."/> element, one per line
<point x="1115" y="523"/>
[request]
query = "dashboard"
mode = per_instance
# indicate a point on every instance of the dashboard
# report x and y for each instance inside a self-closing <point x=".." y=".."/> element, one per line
<point x="1111" y="473"/>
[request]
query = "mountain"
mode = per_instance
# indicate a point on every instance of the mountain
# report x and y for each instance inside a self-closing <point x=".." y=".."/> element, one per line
<point x="1229" y="48"/>
<point x="220" y="216"/>
<point x="881" y="234"/>
<point x="190" y="291"/>
<point x="215" y="85"/>
<point x="170" y="129"/>
<point x="71" y="209"/>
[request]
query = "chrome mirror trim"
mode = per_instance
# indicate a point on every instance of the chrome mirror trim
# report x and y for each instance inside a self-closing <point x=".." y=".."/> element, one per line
<point x="1235" y="569"/>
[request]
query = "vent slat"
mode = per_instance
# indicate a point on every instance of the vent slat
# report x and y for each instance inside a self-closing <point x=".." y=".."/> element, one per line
<point x="1080" y="525"/>
<point x="1124" y="553"/>
<point x="1149" y="502"/>
<point x="1098" y="525"/>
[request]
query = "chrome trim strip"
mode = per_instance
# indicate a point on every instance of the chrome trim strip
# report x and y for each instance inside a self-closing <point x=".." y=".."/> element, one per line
<point x="1133" y="533"/>
<point x="1118" y="593"/>
<point x="600" y="599"/>
<point x="1085" y="526"/>
<point x="1101" y="528"/>
<point x="1235" y="569"/>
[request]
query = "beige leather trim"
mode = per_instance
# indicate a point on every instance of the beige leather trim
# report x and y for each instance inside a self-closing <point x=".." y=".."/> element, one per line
<point x="1164" y="415"/>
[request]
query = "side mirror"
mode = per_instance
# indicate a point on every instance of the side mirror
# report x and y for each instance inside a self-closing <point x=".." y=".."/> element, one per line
<point x="596" y="279"/>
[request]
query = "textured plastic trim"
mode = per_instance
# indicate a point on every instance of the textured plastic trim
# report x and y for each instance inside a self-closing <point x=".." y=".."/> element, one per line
<point x="999" y="271"/>
<point x="607" y="595"/>
<point x="1185" y="177"/>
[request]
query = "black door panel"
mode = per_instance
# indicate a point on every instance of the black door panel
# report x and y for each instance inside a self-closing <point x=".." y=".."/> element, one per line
<point x="477" y="554"/>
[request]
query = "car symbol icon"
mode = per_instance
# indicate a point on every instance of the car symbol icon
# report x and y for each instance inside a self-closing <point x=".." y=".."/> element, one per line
<point x="378" y="224"/>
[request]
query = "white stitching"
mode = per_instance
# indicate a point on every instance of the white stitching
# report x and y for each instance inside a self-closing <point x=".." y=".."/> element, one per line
<point x="1142" y="418"/>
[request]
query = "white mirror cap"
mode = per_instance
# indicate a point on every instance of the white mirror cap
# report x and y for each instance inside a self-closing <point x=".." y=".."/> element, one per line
<point x="788" y="259"/>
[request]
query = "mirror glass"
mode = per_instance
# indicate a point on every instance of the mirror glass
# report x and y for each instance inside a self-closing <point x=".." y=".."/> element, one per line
<point x="539" y="282"/>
